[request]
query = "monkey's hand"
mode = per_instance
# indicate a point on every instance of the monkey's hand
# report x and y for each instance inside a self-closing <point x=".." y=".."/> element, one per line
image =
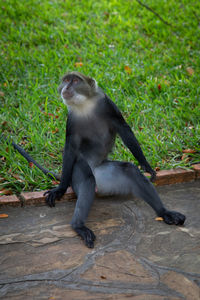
<point x="173" y="217"/>
<point x="52" y="195"/>
<point x="147" y="168"/>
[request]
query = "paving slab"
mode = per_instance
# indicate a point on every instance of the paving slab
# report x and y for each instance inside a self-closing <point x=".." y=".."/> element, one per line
<point x="135" y="257"/>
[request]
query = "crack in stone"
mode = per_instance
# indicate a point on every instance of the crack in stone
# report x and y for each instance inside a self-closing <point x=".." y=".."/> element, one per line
<point x="126" y="273"/>
<point x="132" y="213"/>
<point x="96" y="287"/>
<point x="151" y="264"/>
<point x="63" y="277"/>
<point x="124" y="288"/>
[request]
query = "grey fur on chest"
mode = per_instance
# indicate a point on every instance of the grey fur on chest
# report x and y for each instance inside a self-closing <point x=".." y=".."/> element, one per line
<point x="94" y="138"/>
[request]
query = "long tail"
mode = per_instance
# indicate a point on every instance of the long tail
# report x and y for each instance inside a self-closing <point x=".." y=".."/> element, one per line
<point x="30" y="159"/>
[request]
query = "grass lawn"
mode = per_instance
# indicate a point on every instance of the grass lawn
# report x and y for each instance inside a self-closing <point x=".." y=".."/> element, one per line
<point x="149" y="68"/>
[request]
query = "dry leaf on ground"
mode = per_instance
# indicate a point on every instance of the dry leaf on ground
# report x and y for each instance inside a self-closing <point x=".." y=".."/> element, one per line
<point x="159" y="219"/>
<point x="3" y="216"/>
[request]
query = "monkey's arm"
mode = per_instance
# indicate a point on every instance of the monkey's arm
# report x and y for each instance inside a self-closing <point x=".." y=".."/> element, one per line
<point x="65" y="181"/>
<point x="132" y="143"/>
<point x="69" y="158"/>
<point x="129" y="139"/>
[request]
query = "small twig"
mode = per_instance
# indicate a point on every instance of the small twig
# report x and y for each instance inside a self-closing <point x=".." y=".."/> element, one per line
<point x="155" y="13"/>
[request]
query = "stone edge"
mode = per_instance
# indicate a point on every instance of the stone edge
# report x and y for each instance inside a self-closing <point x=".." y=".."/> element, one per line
<point x="164" y="177"/>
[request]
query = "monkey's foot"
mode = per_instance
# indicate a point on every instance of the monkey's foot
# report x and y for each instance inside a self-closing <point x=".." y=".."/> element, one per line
<point x="173" y="217"/>
<point x="87" y="235"/>
<point x="52" y="195"/>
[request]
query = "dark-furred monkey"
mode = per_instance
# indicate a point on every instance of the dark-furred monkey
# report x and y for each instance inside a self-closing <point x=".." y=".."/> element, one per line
<point x="92" y="124"/>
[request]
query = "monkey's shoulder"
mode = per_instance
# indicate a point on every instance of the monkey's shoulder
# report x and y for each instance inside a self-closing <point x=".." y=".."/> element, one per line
<point x="109" y="111"/>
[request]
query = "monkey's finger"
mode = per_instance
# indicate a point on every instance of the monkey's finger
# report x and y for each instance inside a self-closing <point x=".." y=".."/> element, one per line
<point x="89" y="242"/>
<point x="93" y="237"/>
<point x="46" y="193"/>
<point x="89" y="238"/>
<point x="50" y="200"/>
<point x="90" y="235"/>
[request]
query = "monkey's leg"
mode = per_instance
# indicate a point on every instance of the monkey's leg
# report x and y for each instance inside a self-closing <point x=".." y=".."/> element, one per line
<point x="125" y="178"/>
<point x="83" y="184"/>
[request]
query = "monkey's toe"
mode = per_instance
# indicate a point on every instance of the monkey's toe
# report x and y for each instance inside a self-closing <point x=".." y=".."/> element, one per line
<point x="173" y="217"/>
<point x="87" y="235"/>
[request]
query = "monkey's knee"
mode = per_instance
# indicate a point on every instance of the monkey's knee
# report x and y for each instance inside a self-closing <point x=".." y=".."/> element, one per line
<point x="83" y="183"/>
<point x="133" y="172"/>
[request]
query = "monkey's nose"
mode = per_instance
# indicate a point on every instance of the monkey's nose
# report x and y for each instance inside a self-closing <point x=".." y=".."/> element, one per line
<point x="68" y="86"/>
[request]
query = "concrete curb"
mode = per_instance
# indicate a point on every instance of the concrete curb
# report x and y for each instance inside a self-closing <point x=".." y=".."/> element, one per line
<point x="164" y="177"/>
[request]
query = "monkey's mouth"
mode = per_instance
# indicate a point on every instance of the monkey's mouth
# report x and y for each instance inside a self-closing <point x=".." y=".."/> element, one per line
<point x="67" y="94"/>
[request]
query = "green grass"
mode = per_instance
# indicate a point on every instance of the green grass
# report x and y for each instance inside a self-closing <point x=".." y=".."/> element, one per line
<point x="160" y="96"/>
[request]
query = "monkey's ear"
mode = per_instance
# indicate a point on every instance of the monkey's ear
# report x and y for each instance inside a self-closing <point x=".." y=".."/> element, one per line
<point x="92" y="82"/>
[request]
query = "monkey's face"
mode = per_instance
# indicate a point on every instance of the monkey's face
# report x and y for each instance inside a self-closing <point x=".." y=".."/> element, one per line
<point x="75" y="89"/>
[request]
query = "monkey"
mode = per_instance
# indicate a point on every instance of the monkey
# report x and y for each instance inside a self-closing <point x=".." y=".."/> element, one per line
<point x="93" y="122"/>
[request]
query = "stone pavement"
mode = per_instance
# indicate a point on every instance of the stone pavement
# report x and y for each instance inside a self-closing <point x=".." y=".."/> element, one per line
<point x="135" y="257"/>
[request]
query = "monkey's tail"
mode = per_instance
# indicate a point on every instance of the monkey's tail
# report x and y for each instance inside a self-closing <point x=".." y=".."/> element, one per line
<point x="30" y="159"/>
